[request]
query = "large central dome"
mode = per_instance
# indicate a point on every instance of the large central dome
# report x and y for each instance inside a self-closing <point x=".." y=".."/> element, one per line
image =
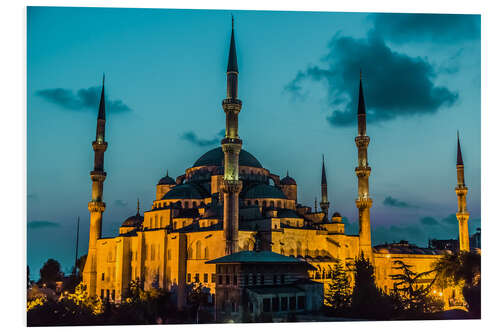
<point x="215" y="157"/>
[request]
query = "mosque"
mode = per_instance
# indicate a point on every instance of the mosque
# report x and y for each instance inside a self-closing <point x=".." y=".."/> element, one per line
<point x="227" y="202"/>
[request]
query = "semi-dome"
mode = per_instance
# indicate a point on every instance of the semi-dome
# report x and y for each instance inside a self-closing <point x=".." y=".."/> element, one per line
<point x="167" y="180"/>
<point x="264" y="191"/>
<point x="133" y="221"/>
<point x="185" y="191"/>
<point x="215" y="157"/>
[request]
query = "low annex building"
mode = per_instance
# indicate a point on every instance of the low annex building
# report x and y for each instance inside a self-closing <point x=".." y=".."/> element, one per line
<point x="251" y="284"/>
<point x="225" y="203"/>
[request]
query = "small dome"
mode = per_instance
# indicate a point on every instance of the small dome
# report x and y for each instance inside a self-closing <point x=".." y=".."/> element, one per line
<point x="133" y="221"/>
<point x="288" y="180"/>
<point x="264" y="191"/>
<point x="336" y="214"/>
<point x="166" y="180"/>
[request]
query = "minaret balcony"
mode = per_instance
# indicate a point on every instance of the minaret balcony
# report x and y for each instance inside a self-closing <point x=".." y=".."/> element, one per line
<point x="229" y="141"/>
<point x="231" y="101"/>
<point x="97" y="206"/>
<point x="364" y="202"/>
<point x="103" y="145"/>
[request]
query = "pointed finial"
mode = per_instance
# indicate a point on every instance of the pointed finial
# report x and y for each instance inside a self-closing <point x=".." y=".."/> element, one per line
<point x="232" y="21"/>
<point x="459" y="151"/>
<point x="287" y="172"/>
<point x="323" y="172"/>
<point x="315" y="204"/>
<point x="167" y="172"/>
<point x="138" y="207"/>
<point x="360" y="74"/>
<point x="103" y="76"/>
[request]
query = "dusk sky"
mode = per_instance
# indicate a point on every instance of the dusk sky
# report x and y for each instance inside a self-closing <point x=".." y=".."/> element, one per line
<point x="299" y="77"/>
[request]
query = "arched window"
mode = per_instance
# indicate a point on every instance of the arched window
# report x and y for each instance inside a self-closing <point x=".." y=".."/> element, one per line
<point x="299" y="249"/>
<point x="186" y="204"/>
<point x="195" y="204"/>
<point x="256" y="202"/>
<point x="198" y="250"/>
<point x="190" y="252"/>
<point x="161" y="221"/>
<point x="206" y="253"/>
<point x="264" y="203"/>
<point x="316" y="253"/>
<point x="156" y="221"/>
<point x="279" y="204"/>
<point x="271" y="204"/>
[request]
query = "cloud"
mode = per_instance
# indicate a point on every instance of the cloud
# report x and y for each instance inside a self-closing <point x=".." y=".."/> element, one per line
<point x="191" y="137"/>
<point x="428" y="220"/>
<point x="42" y="224"/>
<point x="437" y="28"/>
<point x="411" y="233"/>
<point x="121" y="203"/>
<point x="393" y="202"/>
<point x="450" y="219"/>
<point x="84" y="99"/>
<point x="395" y="84"/>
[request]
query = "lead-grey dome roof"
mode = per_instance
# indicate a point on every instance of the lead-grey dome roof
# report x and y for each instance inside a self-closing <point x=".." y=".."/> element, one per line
<point x="215" y="157"/>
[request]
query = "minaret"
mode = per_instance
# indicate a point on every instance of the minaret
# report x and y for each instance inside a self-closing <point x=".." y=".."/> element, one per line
<point x="96" y="205"/>
<point x="462" y="213"/>
<point x="231" y="146"/>
<point x="324" y="204"/>
<point x="363" y="202"/>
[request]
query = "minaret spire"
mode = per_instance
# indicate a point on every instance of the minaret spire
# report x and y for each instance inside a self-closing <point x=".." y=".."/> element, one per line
<point x="459" y="152"/>
<point x="138" y="206"/>
<point x="231" y="146"/>
<point x="324" y="204"/>
<point x="96" y="206"/>
<point x="363" y="201"/>
<point x="462" y="213"/>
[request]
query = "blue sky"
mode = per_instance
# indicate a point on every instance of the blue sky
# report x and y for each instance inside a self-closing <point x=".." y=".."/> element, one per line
<point x="165" y="79"/>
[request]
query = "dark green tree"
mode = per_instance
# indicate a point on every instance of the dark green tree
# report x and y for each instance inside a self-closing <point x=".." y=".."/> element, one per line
<point x="367" y="300"/>
<point x="414" y="296"/>
<point x="338" y="298"/>
<point x="197" y="299"/>
<point x="50" y="273"/>
<point x="462" y="269"/>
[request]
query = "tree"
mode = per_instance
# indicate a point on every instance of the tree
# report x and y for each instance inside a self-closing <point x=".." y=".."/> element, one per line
<point x="197" y="298"/>
<point x="50" y="273"/>
<point x="338" y="298"/>
<point x="462" y="269"/>
<point x="411" y="295"/>
<point x="367" y="300"/>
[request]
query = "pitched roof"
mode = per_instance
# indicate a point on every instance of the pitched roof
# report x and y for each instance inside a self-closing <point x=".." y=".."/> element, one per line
<point x="255" y="257"/>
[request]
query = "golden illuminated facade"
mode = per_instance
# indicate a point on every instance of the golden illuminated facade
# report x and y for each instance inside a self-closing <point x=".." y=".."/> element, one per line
<point x="228" y="202"/>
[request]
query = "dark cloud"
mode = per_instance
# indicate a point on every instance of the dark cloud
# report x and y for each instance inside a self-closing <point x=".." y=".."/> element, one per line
<point x="442" y="28"/>
<point x="42" y="224"/>
<point x="411" y="233"/>
<point x="428" y="220"/>
<point x="393" y="202"/>
<point x="395" y="84"/>
<point x="191" y="137"/>
<point x="450" y="219"/>
<point x="350" y="228"/>
<point x="121" y="203"/>
<point x="84" y="99"/>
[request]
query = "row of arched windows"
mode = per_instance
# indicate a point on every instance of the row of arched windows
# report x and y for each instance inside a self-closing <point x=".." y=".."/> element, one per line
<point x="198" y="253"/>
